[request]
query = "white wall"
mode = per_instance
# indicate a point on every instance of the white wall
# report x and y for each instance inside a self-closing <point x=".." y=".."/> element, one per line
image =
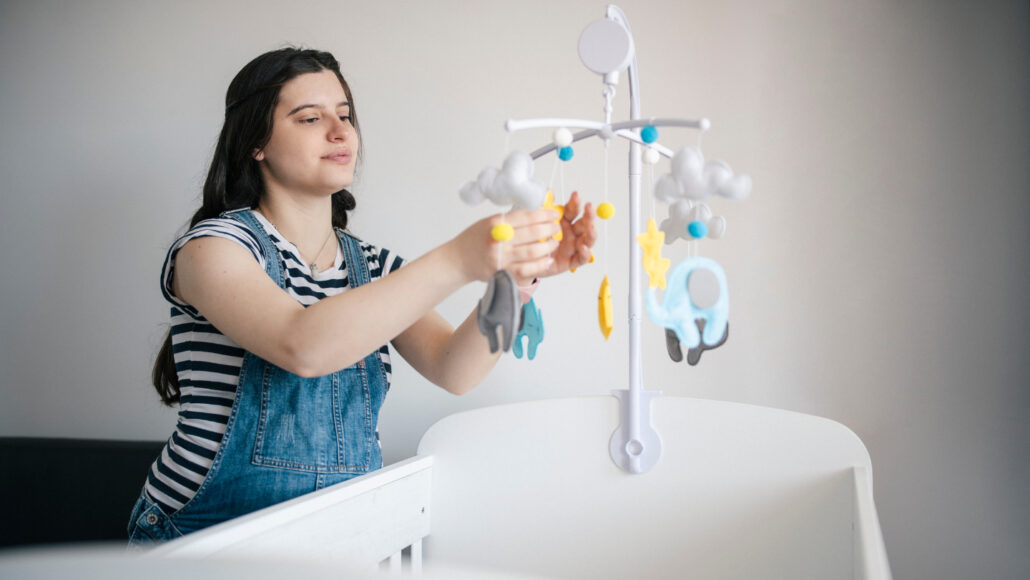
<point x="878" y="273"/>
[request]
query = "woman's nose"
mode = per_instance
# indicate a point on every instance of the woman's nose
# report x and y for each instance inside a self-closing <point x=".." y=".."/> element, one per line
<point x="338" y="130"/>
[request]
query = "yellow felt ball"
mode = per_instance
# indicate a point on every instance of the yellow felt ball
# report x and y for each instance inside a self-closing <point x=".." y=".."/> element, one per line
<point x="605" y="210"/>
<point x="502" y="232"/>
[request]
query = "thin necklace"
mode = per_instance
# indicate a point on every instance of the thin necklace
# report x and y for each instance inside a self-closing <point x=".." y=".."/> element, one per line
<point x="313" y="264"/>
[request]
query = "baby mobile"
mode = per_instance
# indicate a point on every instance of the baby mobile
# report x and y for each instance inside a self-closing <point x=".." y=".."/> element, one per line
<point x="695" y="310"/>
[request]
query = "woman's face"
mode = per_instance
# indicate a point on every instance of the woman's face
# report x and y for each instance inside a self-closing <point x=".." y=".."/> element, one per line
<point x="313" y="146"/>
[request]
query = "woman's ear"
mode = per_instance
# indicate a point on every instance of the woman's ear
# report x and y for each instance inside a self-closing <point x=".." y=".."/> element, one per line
<point x="258" y="155"/>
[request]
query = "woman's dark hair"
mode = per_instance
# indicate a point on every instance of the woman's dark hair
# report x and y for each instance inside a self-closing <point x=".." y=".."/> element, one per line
<point x="234" y="179"/>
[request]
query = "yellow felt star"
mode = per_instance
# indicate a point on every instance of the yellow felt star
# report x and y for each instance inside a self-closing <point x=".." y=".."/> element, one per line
<point x="549" y="204"/>
<point x="573" y="270"/>
<point x="654" y="264"/>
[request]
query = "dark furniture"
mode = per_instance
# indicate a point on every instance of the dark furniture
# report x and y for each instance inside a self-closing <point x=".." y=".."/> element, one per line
<point x="69" y="490"/>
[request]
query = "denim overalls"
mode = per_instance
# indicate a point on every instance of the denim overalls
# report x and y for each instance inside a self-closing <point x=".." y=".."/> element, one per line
<point x="286" y="435"/>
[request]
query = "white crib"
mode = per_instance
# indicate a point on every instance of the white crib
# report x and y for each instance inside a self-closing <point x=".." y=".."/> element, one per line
<point x="740" y="492"/>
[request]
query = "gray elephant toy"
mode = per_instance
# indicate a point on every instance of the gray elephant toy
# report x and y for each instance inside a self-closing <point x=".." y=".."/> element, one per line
<point x="672" y="343"/>
<point x="499" y="315"/>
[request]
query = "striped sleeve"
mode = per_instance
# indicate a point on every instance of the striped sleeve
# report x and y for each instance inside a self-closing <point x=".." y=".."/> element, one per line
<point x="224" y="228"/>
<point x="380" y="260"/>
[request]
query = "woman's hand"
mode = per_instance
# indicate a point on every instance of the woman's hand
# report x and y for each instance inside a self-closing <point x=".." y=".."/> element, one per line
<point x="528" y="254"/>
<point x="531" y="252"/>
<point x="578" y="236"/>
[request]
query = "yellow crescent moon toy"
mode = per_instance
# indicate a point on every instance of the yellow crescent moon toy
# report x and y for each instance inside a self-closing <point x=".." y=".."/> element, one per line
<point x="604" y="308"/>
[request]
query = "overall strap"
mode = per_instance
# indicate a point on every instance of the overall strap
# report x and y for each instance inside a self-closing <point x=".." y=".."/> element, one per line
<point x="357" y="266"/>
<point x="273" y="261"/>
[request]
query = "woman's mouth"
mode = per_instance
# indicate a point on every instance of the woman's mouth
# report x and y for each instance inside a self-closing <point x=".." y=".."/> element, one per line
<point x="338" y="157"/>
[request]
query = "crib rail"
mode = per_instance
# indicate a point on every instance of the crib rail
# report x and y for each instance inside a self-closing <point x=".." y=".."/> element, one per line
<point x="870" y="552"/>
<point x="782" y="494"/>
<point x="360" y="523"/>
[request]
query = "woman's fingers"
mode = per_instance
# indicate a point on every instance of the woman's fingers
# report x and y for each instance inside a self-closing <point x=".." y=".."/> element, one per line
<point x="527" y="226"/>
<point x="533" y="250"/>
<point x="522" y="217"/>
<point x="571" y="208"/>
<point x="538" y="231"/>
<point x="583" y="254"/>
<point x="532" y="269"/>
<point x="584" y="228"/>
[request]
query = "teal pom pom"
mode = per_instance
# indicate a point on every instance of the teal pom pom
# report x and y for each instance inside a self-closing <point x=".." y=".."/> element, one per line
<point x="565" y="153"/>
<point x="697" y="229"/>
<point x="649" y="134"/>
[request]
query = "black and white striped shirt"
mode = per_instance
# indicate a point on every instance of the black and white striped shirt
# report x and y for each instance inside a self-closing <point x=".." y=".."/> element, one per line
<point x="208" y="363"/>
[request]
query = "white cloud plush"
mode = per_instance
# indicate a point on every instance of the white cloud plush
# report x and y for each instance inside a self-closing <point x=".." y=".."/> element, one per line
<point x="513" y="184"/>
<point x="694" y="178"/>
<point x="684" y="211"/>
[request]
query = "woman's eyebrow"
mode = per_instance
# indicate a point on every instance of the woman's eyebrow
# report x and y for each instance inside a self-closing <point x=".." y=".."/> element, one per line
<point x="312" y="105"/>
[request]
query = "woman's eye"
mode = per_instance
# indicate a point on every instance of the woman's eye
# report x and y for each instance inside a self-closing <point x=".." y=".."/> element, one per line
<point x="345" y="118"/>
<point x="309" y="120"/>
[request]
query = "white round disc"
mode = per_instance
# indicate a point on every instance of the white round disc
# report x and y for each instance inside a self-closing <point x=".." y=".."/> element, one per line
<point x="605" y="47"/>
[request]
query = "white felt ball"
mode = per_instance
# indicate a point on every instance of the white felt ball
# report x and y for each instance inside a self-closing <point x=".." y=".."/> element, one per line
<point x="652" y="156"/>
<point x="562" y="137"/>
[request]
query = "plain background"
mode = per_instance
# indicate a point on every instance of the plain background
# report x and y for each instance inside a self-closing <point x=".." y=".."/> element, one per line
<point x="878" y="274"/>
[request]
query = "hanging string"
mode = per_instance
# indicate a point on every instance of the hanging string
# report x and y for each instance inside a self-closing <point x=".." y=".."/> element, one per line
<point x="500" y="245"/>
<point x="604" y="226"/>
<point x="608" y="93"/>
<point x="605" y="191"/>
<point x="554" y="171"/>
<point x="650" y="185"/>
<point x="504" y="213"/>
<point x="691" y="247"/>
<point x="695" y="247"/>
<point x="561" y="192"/>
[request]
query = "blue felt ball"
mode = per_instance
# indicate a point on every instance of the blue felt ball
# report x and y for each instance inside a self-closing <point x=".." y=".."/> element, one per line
<point x="697" y="229"/>
<point x="649" y="134"/>
<point x="565" y="153"/>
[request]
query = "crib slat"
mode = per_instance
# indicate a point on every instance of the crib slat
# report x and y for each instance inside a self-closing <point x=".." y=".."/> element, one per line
<point x="416" y="558"/>
<point x="395" y="563"/>
<point x="870" y="553"/>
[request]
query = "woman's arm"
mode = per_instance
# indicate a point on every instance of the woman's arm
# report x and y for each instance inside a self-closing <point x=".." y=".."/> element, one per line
<point x="458" y="360"/>
<point x="454" y="359"/>
<point x="224" y="283"/>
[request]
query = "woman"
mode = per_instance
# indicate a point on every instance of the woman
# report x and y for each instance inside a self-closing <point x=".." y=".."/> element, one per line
<point x="280" y="319"/>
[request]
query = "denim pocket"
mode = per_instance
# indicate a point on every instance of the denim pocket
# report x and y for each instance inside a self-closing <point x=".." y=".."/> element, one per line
<point x="148" y="524"/>
<point x="321" y="424"/>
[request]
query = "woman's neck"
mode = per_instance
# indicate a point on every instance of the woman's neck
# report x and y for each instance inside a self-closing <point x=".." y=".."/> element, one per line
<point x="305" y="223"/>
